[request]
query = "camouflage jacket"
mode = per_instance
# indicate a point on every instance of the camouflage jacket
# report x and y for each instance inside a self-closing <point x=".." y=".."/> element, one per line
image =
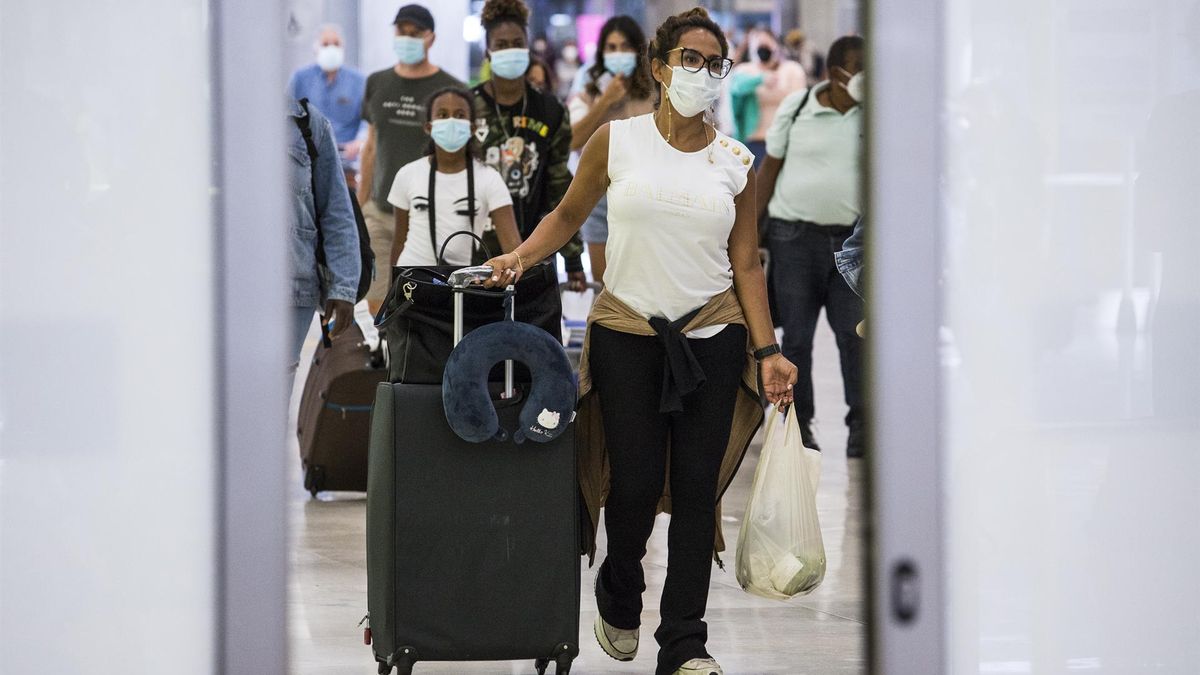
<point x="529" y="144"/>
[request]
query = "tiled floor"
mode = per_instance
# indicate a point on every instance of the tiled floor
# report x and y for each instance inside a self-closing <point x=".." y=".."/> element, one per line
<point x="820" y="634"/>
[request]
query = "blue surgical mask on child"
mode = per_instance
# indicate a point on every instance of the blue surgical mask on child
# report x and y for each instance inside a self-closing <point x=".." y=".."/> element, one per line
<point x="620" y="63"/>
<point x="510" y="64"/>
<point x="451" y="134"/>
<point x="409" y="50"/>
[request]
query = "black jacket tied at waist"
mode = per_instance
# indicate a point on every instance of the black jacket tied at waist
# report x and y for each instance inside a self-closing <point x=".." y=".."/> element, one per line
<point x="682" y="373"/>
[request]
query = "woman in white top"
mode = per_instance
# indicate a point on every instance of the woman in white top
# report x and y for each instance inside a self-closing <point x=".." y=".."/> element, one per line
<point x="468" y="195"/>
<point x="683" y="244"/>
<point x="618" y="87"/>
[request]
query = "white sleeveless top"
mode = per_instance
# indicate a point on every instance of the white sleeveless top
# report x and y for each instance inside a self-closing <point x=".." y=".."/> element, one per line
<point x="670" y="214"/>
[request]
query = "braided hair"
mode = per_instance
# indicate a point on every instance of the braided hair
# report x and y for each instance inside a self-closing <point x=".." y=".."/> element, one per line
<point x="667" y="36"/>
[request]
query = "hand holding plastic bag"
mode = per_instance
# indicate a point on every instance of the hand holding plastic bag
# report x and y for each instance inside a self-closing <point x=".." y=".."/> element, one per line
<point x="780" y="553"/>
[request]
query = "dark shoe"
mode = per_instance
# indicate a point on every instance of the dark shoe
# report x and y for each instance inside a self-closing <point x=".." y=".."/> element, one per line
<point x="856" y="445"/>
<point x="806" y="436"/>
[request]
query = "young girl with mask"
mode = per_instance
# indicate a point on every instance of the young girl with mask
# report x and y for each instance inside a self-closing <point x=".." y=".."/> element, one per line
<point x="669" y="361"/>
<point x="525" y="133"/>
<point x="467" y="195"/>
<point x="618" y="86"/>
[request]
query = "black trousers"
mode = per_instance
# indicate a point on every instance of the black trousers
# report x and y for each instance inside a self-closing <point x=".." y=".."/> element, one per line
<point x="627" y="372"/>
<point x="806" y="279"/>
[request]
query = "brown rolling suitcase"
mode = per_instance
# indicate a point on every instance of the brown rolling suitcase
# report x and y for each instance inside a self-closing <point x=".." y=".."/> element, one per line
<point x="335" y="412"/>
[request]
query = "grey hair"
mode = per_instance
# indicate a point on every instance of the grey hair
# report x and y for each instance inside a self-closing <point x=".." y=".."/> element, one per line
<point x="337" y="28"/>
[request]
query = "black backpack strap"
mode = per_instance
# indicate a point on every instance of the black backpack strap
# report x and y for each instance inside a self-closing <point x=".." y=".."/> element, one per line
<point x="305" y="124"/>
<point x="431" y="206"/>
<point x="471" y="199"/>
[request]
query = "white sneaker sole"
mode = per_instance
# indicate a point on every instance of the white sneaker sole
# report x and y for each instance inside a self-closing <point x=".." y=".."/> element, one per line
<point x="602" y="640"/>
<point x="700" y="671"/>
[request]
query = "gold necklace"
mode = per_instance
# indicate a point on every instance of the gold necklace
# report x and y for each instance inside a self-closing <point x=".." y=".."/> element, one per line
<point x="707" y="142"/>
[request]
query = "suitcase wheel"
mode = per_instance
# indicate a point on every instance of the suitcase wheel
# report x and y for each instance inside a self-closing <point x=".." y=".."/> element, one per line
<point x="384" y="669"/>
<point x="314" y="479"/>
<point x="404" y="659"/>
<point x="566" y="654"/>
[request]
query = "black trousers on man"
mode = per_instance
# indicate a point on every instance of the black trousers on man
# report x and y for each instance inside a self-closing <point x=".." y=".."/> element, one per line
<point x="806" y="279"/>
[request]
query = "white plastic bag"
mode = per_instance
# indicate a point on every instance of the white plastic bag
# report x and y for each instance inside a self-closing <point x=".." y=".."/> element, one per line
<point x="780" y="553"/>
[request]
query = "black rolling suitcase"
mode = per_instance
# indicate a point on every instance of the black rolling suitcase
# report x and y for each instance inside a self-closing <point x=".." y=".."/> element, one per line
<point x="472" y="548"/>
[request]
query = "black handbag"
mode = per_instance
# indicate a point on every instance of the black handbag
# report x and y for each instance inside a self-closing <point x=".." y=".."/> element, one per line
<point x="417" y="318"/>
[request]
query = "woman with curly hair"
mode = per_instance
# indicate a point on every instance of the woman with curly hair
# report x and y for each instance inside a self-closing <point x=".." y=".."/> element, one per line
<point x="618" y="86"/>
<point x="669" y="364"/>
<point x="525" y="133"/>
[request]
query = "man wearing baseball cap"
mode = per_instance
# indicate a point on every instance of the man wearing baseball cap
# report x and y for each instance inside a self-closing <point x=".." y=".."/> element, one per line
<point x="394" y="108"/>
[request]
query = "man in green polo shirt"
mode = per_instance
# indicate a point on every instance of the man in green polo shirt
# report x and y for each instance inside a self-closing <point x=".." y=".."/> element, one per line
<point x="809" y="184"/>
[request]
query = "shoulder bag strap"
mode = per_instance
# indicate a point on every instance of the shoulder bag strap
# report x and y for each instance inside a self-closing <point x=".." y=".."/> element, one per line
<point x="438" y="255"/>
<point x="471" y="199"/>
<point x="796" y="115"/>
<point x="311" y="145"/>
<point x="431" y="205"/>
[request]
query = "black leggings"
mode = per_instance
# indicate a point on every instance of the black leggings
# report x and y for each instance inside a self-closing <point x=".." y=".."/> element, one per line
<point x="627" y="372"/>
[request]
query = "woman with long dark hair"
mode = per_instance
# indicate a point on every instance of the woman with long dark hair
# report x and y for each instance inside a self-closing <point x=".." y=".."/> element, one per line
<point x="618" y="86"/>
<point x="669" y="362"/>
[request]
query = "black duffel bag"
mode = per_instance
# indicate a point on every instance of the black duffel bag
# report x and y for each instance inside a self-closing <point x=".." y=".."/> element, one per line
<point x="417" y="318"/>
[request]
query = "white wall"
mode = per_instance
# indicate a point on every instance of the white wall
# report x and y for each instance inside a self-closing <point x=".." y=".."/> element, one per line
<point x="376" y="32"/>
<point x="1072" y="351"/>
<point x="107" y="441"/>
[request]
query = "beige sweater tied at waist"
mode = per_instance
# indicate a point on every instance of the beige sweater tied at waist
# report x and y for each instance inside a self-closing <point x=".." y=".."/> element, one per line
<point x="591" y="452"/>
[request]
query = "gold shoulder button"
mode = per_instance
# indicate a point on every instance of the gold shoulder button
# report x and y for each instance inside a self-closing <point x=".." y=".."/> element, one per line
<point x="746" y="161"/>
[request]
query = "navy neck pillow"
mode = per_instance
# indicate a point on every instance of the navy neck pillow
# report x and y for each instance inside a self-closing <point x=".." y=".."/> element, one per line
<point x="469" y="408"/>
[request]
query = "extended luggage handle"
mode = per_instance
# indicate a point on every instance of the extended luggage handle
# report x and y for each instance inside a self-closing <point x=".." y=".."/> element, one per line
<point x="460" y="284"/>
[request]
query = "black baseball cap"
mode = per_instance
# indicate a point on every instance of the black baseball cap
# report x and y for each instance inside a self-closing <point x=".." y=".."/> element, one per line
<point x="415" y="14"/>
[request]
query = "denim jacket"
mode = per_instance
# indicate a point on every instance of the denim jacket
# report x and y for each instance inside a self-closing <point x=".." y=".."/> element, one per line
<point x="850" y="258"/>
<point x="336" y="220"/>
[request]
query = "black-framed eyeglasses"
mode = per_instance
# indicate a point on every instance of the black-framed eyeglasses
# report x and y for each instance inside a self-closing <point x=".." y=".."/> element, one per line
<point x="693" y="62"/>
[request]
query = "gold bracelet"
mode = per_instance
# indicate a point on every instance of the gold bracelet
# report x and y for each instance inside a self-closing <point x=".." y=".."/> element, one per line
<point x="520" y="262"/>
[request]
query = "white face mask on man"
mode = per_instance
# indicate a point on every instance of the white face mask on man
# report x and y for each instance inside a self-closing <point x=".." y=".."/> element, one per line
<point x="331" y="57"/>
<point x="692" y="93"/>
<point x="857" y="87"/>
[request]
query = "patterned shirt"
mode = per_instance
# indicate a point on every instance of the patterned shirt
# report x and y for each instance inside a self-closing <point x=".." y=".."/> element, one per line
<point x="529" y="143"/>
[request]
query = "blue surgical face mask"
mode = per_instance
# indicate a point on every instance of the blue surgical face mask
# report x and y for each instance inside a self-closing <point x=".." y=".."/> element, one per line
<point x="620" y="63"/>
<point x="510" y="64"/>
<point x="409" y="50"/>
<point x="451" y="134"/>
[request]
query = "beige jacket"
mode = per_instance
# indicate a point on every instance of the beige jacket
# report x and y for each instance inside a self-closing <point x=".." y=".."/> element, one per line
<point x="592" y="455"/>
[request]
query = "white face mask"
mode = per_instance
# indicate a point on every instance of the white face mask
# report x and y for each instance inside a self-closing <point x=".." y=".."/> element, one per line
<point x="331" y="57"/>
<point x="857" y="87"/>
<point x="692" y="93"/>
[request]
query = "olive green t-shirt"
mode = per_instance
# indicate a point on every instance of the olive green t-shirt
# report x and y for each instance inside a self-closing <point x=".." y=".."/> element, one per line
<point x="396" y="107"/>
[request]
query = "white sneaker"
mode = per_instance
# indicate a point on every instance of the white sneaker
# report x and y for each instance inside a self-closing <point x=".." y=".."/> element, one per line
<point x="620" y="644"/>
<point x="700" y="667"/>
